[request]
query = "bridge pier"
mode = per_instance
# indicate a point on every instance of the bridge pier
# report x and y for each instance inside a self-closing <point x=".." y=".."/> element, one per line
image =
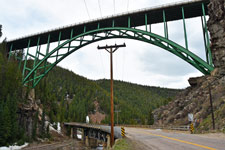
<point x="83" y="135"/>
<point x="86" y="140"/>
<point x="73" y="132"/>
<point x="108" y="141"/>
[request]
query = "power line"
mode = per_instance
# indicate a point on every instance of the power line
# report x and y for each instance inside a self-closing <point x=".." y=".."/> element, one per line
<point x="99" y="5"/>
<point x="103" y="67"/>
<point x="114" y="1"/>
<point x="123" y="63"/>
<point x="128" y="4"/>
<point x="87" y="9"/>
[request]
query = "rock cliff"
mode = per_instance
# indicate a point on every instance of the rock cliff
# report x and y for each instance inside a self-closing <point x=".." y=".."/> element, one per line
<point x="196" y="100"/>
<point x="216" y="27"/>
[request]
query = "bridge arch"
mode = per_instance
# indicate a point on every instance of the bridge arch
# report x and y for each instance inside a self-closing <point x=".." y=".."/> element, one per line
<point x="40" y="69"/>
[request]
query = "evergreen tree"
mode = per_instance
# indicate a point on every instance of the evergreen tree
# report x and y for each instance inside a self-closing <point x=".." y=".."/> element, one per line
<point x="0" y="30"/>
<point x="6" y="124"/>
<point x="2" y="128"/>
<point x="150" y="117"/>
<point x="34" y="131"/>
<point x="43" y="123"/>
<point x="12" y="100"/>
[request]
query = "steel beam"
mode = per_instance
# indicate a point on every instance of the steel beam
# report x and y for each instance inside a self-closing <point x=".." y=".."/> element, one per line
<point x="25" y="62"/>
<point x="206" y="34"/>
<point x="185" y="32"/>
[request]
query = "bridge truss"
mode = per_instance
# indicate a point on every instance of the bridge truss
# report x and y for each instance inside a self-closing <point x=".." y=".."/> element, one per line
<point x="72" y="38"/>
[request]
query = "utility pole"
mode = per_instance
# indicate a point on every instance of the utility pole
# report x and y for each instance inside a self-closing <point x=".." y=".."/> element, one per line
<point x="111" y="49"/>
<point x="211" y="105"/>
<point x="117" y="111"/>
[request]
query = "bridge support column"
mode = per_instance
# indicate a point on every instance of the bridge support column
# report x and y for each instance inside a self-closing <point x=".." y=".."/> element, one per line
<point x="87" y="140"/>
<point x="71" y="132"/>
<point x="75" y="133"/>
<point x="108" y="141"/>
<point x="93" y="142"/>
<point x="83" y="135"/>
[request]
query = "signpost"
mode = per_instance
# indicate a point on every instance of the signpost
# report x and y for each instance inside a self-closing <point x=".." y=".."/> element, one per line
<point x="190" y="117"/>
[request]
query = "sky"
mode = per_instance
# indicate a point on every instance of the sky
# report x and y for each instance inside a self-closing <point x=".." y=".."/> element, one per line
<point x="138" y="62"/>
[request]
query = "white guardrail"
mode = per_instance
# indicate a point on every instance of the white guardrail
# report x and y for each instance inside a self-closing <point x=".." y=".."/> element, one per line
<point x="179" y="128"/>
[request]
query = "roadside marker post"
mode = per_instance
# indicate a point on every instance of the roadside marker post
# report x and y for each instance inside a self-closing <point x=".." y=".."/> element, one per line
<point x="192" y="128"/>
<point x="122" y="131"/>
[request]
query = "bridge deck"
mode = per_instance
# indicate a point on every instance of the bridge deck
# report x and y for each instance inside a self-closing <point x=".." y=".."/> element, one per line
<point x="192" y="8"/>
<point x="104" y="128"/>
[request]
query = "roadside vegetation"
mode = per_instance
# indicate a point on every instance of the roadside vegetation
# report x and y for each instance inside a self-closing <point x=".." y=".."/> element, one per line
<point x="123" y="144"/>
<point x="10" y="97"/>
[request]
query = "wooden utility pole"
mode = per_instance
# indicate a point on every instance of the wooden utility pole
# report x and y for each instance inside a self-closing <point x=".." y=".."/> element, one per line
<point x="211" y="105"/>
<point x="117" y="111"/>
<point x="111" y="49"/>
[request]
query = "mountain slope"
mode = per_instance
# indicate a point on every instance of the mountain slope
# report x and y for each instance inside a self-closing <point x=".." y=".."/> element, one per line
<point x="70" y="97"/>
<point x="195" y="100"/>
<point x="140" y="98"/>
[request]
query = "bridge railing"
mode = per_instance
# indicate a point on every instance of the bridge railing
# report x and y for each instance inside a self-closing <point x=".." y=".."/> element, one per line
<point x="179" y="128"/>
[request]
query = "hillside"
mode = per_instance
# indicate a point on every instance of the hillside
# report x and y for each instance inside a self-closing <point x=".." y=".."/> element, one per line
<point x="70" y="97"/>
<point x="195" y="100"/>
<point x="141" y="99"/>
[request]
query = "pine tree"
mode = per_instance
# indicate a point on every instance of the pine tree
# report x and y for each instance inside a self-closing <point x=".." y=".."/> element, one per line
<point x="2" y="130"/>
<point x="6" y="124"/>
<point x="0" y="30"/>
<point x="34" y="131"/>
<point x="150" y="117"/>
<point x="43" y="123"/>
<point x="12" y="100"/>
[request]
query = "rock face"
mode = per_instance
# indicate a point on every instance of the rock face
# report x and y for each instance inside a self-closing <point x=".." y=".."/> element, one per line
<point x="27" y="112"/>
<point x="97" y="117"/>
<point x="195" y="99"/>
<point x="26" y="115"/>
<point x="216" y="26"/>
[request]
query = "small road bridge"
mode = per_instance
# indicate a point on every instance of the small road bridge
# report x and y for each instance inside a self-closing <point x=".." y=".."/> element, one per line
<point x="57" y="44"/>
<point x="92" y="133"/>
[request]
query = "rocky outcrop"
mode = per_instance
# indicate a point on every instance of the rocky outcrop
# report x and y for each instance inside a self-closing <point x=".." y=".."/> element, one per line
<point x="216" y="26"/>
<point x="97" y="116"/>
<point x="27" y="113"/>
<point x="194" y="100"/>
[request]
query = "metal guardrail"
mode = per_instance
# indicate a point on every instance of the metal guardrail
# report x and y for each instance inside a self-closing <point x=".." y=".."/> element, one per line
<point x="179" y="128"/>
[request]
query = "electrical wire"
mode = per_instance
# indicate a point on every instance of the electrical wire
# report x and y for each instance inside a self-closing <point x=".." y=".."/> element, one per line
<point x="123" y="63"/>
<point x="99" y="5"/>
<point x="104" y="74"/>
<point x="114" y="1"/>
<point x="87" y="9"/>
<point x="128" y="4"/>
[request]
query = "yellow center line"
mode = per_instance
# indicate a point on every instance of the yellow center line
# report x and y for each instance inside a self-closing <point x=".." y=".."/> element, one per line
<point x="186" y="142"/>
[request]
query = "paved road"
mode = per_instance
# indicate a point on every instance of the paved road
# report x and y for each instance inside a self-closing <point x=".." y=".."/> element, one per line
<point x="149" y="139"/>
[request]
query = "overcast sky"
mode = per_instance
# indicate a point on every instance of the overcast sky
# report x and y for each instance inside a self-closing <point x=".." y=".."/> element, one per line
<point x="138" y="63"/>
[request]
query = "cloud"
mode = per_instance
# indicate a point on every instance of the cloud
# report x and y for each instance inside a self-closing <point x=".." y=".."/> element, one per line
<point x="139" y="62"/>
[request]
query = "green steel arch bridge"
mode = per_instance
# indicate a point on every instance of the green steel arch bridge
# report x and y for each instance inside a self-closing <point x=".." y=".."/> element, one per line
<point x="71" y="38"/>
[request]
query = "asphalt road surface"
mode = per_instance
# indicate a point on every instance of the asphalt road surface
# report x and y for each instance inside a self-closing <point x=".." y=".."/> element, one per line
<point x="150" y="139"/>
